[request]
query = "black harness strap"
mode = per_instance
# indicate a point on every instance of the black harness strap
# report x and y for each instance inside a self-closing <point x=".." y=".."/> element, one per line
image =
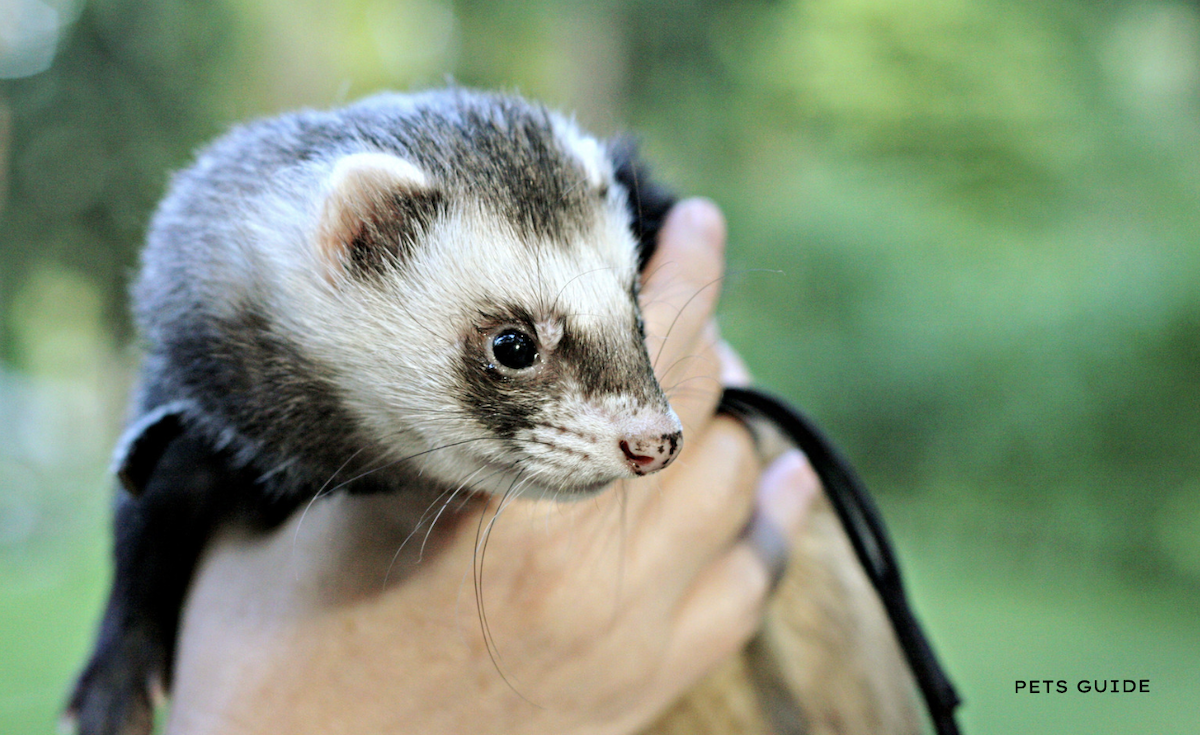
<point x="865" y="528"/>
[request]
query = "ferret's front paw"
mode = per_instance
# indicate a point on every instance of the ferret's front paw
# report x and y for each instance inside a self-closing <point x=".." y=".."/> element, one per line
<point x="113" y="695"/>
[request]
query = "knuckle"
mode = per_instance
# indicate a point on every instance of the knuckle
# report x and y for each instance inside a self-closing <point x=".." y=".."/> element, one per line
<point x="750" y="588"/>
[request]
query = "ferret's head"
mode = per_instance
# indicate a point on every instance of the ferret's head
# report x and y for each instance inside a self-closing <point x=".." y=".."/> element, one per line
<point x="483" y="277"/>
<point x="463" y="272"/>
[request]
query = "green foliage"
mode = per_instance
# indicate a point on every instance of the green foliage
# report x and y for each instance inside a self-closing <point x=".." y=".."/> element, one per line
<point x="94" y="137"/>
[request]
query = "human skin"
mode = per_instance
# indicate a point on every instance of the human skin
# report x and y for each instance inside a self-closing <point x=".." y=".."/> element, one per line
<point x="599" y="613"/>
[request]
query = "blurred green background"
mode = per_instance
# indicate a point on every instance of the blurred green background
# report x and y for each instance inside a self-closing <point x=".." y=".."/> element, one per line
<point x="964" y="235"/>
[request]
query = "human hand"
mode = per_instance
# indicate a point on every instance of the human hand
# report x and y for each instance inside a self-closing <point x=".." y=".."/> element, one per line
<point x="598" y="613"/>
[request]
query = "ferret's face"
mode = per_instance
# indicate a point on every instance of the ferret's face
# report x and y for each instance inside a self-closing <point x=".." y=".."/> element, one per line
<point x="496" y="337"/>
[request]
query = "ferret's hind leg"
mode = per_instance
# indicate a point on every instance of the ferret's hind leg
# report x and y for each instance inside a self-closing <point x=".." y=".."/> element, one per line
<point x="160" y="534"/>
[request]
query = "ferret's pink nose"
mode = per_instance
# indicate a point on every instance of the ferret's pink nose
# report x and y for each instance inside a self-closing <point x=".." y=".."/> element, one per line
<point x="651" y="452"/>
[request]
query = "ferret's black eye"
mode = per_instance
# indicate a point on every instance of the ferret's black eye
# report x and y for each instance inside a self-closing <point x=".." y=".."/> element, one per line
<point x="514" y="349"/>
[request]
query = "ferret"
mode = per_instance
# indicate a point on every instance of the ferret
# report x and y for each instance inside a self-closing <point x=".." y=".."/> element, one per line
<point x="409" y="294"/>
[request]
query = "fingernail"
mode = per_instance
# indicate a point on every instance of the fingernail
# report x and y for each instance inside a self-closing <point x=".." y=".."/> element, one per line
<point x="733" y="369"/>
<point x="786" y="489"/>
<point x="698" y="221"/>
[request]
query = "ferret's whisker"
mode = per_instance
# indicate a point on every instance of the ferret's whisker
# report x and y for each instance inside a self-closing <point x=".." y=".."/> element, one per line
<point x="413" y="456"/>
<point x="678" y="314"/>
<point x="429" y="530"/>
<point x="322" y="492"/>
<point x="678" y="389"/>
<point x="481" y="545"/>
<point x="576" y="278"/>
<point x="300" y="523"/>
<point x="421" y="554"/>
<point x="623" y="504"/>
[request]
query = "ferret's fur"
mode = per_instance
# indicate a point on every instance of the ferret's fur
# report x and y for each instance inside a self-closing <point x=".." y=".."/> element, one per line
<point x="325" y="300"/>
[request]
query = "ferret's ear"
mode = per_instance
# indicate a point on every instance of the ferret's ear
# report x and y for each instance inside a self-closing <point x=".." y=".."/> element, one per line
<point x="143" y="444"/>
<point x="376" y="208"/>
<point x="648" y="202"/>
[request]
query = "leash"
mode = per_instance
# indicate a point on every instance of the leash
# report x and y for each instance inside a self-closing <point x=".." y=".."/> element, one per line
<point x="864" y="525"/>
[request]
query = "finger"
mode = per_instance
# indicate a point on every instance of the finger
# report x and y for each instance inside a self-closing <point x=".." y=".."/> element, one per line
<point x="724" y="607"/>
<point x="681" y="286"/>
<point x="690" y="256"/>
<point x="719" y="616"/>
<point x="703" y="504"/>
<point x="698" y="378"/>
<point x="785" y="490"/>
<point x="692" y="382"/>
<point x="733" y="370"/>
